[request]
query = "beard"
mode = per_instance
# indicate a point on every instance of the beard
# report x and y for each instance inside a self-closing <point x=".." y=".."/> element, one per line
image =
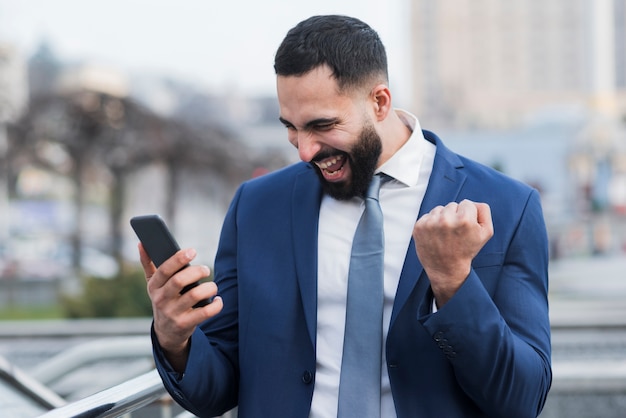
<point x="363" y="159"/>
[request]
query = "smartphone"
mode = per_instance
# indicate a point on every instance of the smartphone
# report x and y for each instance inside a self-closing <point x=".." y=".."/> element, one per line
<point x="159" y="243"/>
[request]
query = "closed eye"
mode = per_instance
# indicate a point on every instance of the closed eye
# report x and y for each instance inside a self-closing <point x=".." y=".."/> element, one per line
<point x="324" y="126"/>
<point x="288" y="126"/>
<point x="286" y="123"/>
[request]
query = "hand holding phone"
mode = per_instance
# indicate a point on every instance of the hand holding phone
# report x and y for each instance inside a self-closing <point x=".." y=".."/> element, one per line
<point x="159" y="243"/>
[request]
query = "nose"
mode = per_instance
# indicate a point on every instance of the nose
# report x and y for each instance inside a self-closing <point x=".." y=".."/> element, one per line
<point x="307" y="146"/>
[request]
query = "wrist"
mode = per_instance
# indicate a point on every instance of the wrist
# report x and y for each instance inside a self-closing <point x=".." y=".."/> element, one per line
<point x="176" y="354"/>
<point x="445" y="286"/>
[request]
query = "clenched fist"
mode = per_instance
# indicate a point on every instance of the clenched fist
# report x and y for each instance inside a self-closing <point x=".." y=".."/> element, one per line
<point x="447" y="239"/>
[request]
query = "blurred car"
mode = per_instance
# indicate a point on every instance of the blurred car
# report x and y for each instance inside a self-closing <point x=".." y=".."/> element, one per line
<point x="44" y="257"/>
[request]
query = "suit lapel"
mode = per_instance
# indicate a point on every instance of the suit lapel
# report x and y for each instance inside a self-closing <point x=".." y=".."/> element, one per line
<point x="444" y="186"/>
<point x="305" y="206"/>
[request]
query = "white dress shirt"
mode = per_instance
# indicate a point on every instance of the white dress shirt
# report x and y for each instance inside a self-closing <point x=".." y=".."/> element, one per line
<point x="400" y="200"/>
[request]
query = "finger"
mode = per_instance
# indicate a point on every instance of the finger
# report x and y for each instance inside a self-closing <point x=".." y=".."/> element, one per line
<point x="201" y="292"/>
<point x="148" y="266"/>
<point x="436" y="211"/>
<point x="451" y="212"/>
<point x="171" y="267"/>
<point x="467" y="209"/>
<point x="194" y="316"/>
<point x="178" y="261"/>
<point x="484" y="216"/>
<point x="215" y="306"/>
<point x="188" y="279"/>
<point x="212" y="308"/>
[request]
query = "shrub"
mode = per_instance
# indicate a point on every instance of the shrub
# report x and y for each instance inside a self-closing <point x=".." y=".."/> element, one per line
<point x="124" y="295"/>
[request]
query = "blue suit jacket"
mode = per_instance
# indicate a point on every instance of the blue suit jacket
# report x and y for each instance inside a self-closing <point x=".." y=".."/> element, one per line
<point x="486" y="353"/>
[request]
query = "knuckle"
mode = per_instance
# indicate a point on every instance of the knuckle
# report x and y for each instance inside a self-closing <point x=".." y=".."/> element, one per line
<point x="182" y="257"/>
<point x="194" y="292"/>
<point x="211" y="286"/>
<point x="177" y="280"/>
<point x="179" y="322"/>
<point x="150" y="287"/>
<point x="158" y="299"/>
<point x="436" y="209"/>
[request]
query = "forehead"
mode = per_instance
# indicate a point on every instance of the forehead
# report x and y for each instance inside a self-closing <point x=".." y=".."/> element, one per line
<point x="314" y="94"/>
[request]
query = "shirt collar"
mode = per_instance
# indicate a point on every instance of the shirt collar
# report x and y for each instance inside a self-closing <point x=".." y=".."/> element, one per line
<point x="404" y="166"/>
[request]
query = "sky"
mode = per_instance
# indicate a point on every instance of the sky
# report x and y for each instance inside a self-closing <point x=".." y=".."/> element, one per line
<point x="221" y="45"/>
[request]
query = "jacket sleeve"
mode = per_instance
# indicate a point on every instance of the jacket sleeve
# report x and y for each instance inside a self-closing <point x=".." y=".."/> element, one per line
<point x="495" y="331"/>
<point x="208" y="386"/>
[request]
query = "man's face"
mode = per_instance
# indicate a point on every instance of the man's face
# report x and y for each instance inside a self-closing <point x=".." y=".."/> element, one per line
<point x="330" y="130"/>
<point x="362" y="158"/>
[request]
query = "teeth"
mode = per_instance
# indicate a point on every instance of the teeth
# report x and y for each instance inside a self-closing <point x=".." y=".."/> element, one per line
<point x="330" y="162"/>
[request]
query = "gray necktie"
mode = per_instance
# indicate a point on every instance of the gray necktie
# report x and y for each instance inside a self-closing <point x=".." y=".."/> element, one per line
<point x="359" y="387"/>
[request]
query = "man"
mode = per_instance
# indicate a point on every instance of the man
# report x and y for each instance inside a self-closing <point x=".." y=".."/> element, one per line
<point x="465" y="315"/>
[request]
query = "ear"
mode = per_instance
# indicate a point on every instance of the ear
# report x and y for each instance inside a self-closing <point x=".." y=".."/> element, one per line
<point x="381" y="99"/>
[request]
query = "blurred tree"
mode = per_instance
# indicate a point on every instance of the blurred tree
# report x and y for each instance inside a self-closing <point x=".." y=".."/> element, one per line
<point x="43" y="69"/>
<point x="103" y="132"/>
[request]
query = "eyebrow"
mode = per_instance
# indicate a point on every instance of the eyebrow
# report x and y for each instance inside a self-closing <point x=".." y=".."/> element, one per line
<point x="312" y="123"/>
<point x="284" y="121"/>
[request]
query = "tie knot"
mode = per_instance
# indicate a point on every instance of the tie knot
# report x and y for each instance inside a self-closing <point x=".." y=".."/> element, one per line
<point x="374" y="187"/>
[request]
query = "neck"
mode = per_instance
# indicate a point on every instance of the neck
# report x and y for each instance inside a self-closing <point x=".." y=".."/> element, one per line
<point x="394" y="135"/>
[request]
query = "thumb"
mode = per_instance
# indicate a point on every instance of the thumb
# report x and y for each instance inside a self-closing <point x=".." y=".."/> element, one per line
<point x="483" y="217"/>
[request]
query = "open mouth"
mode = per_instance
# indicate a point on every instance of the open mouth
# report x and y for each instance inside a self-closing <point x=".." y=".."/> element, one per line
<point x="332" y="167"/>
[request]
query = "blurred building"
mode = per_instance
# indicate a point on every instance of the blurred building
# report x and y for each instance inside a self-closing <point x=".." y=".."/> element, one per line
<point x="499" y="65"/>
<point x="493" y="63"/>
<point x="93" y="78"/>
<point x="13" y="83"/>
<point x="44" y="69"/>
<point x="13" y="100"/>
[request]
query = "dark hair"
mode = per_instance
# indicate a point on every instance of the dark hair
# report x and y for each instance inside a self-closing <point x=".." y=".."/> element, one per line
<point x="351" y="49"/>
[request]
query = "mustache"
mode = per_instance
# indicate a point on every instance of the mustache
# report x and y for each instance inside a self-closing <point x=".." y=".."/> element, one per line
<point x="323" y="154"/>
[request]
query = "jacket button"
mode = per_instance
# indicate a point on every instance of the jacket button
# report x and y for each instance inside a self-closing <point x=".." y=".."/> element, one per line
<point x="307" y="377"/>
<point x="451" y="355"/>
<point x="438" y="336"/>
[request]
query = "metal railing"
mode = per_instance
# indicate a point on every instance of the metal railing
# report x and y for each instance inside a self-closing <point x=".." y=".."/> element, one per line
<point x="116" y="401"/>
<point x="115" y="339"/>
<point x="589" y="342"/>
<point x="124" y="399"/>
<point x="130" y="347"/>
<point x="26" y="385"/>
